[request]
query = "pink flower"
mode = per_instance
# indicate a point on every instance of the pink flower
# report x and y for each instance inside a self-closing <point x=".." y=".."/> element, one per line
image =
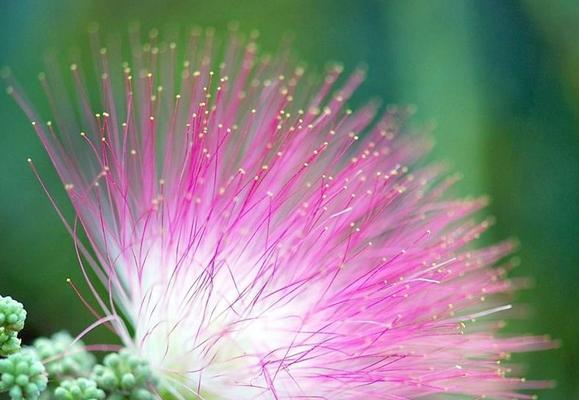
<point x="265" y="242"/>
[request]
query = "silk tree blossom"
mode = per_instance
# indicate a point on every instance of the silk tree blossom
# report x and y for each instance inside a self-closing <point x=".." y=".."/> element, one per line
<point x="260" y="240"/>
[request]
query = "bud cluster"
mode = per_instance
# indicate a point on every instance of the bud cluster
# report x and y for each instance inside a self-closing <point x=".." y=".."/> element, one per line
<point x="125" y="376"/>
<point x="23" y="376"/>
<point x="12" y="317"/>
<point x="79" y="389"/>
<point x="61" y="368"/>
<point x="62" y="357"/>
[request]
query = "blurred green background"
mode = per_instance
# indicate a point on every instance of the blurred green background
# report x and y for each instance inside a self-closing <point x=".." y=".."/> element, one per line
<point x="500" y="78"/>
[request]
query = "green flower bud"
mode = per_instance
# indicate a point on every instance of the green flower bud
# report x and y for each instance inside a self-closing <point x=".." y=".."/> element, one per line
<point x="12" y="314"/>
<point x="9" y="344"/>
<point x="12" y="318"/>
<point x="125" y="376"/>
<point x="23" y="376"/>
<point x="62" y="358"/>
<point x="79" y="389"/>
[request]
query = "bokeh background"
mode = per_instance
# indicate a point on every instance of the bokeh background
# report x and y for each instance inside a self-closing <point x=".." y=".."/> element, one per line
<point x="499" y="77"/>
